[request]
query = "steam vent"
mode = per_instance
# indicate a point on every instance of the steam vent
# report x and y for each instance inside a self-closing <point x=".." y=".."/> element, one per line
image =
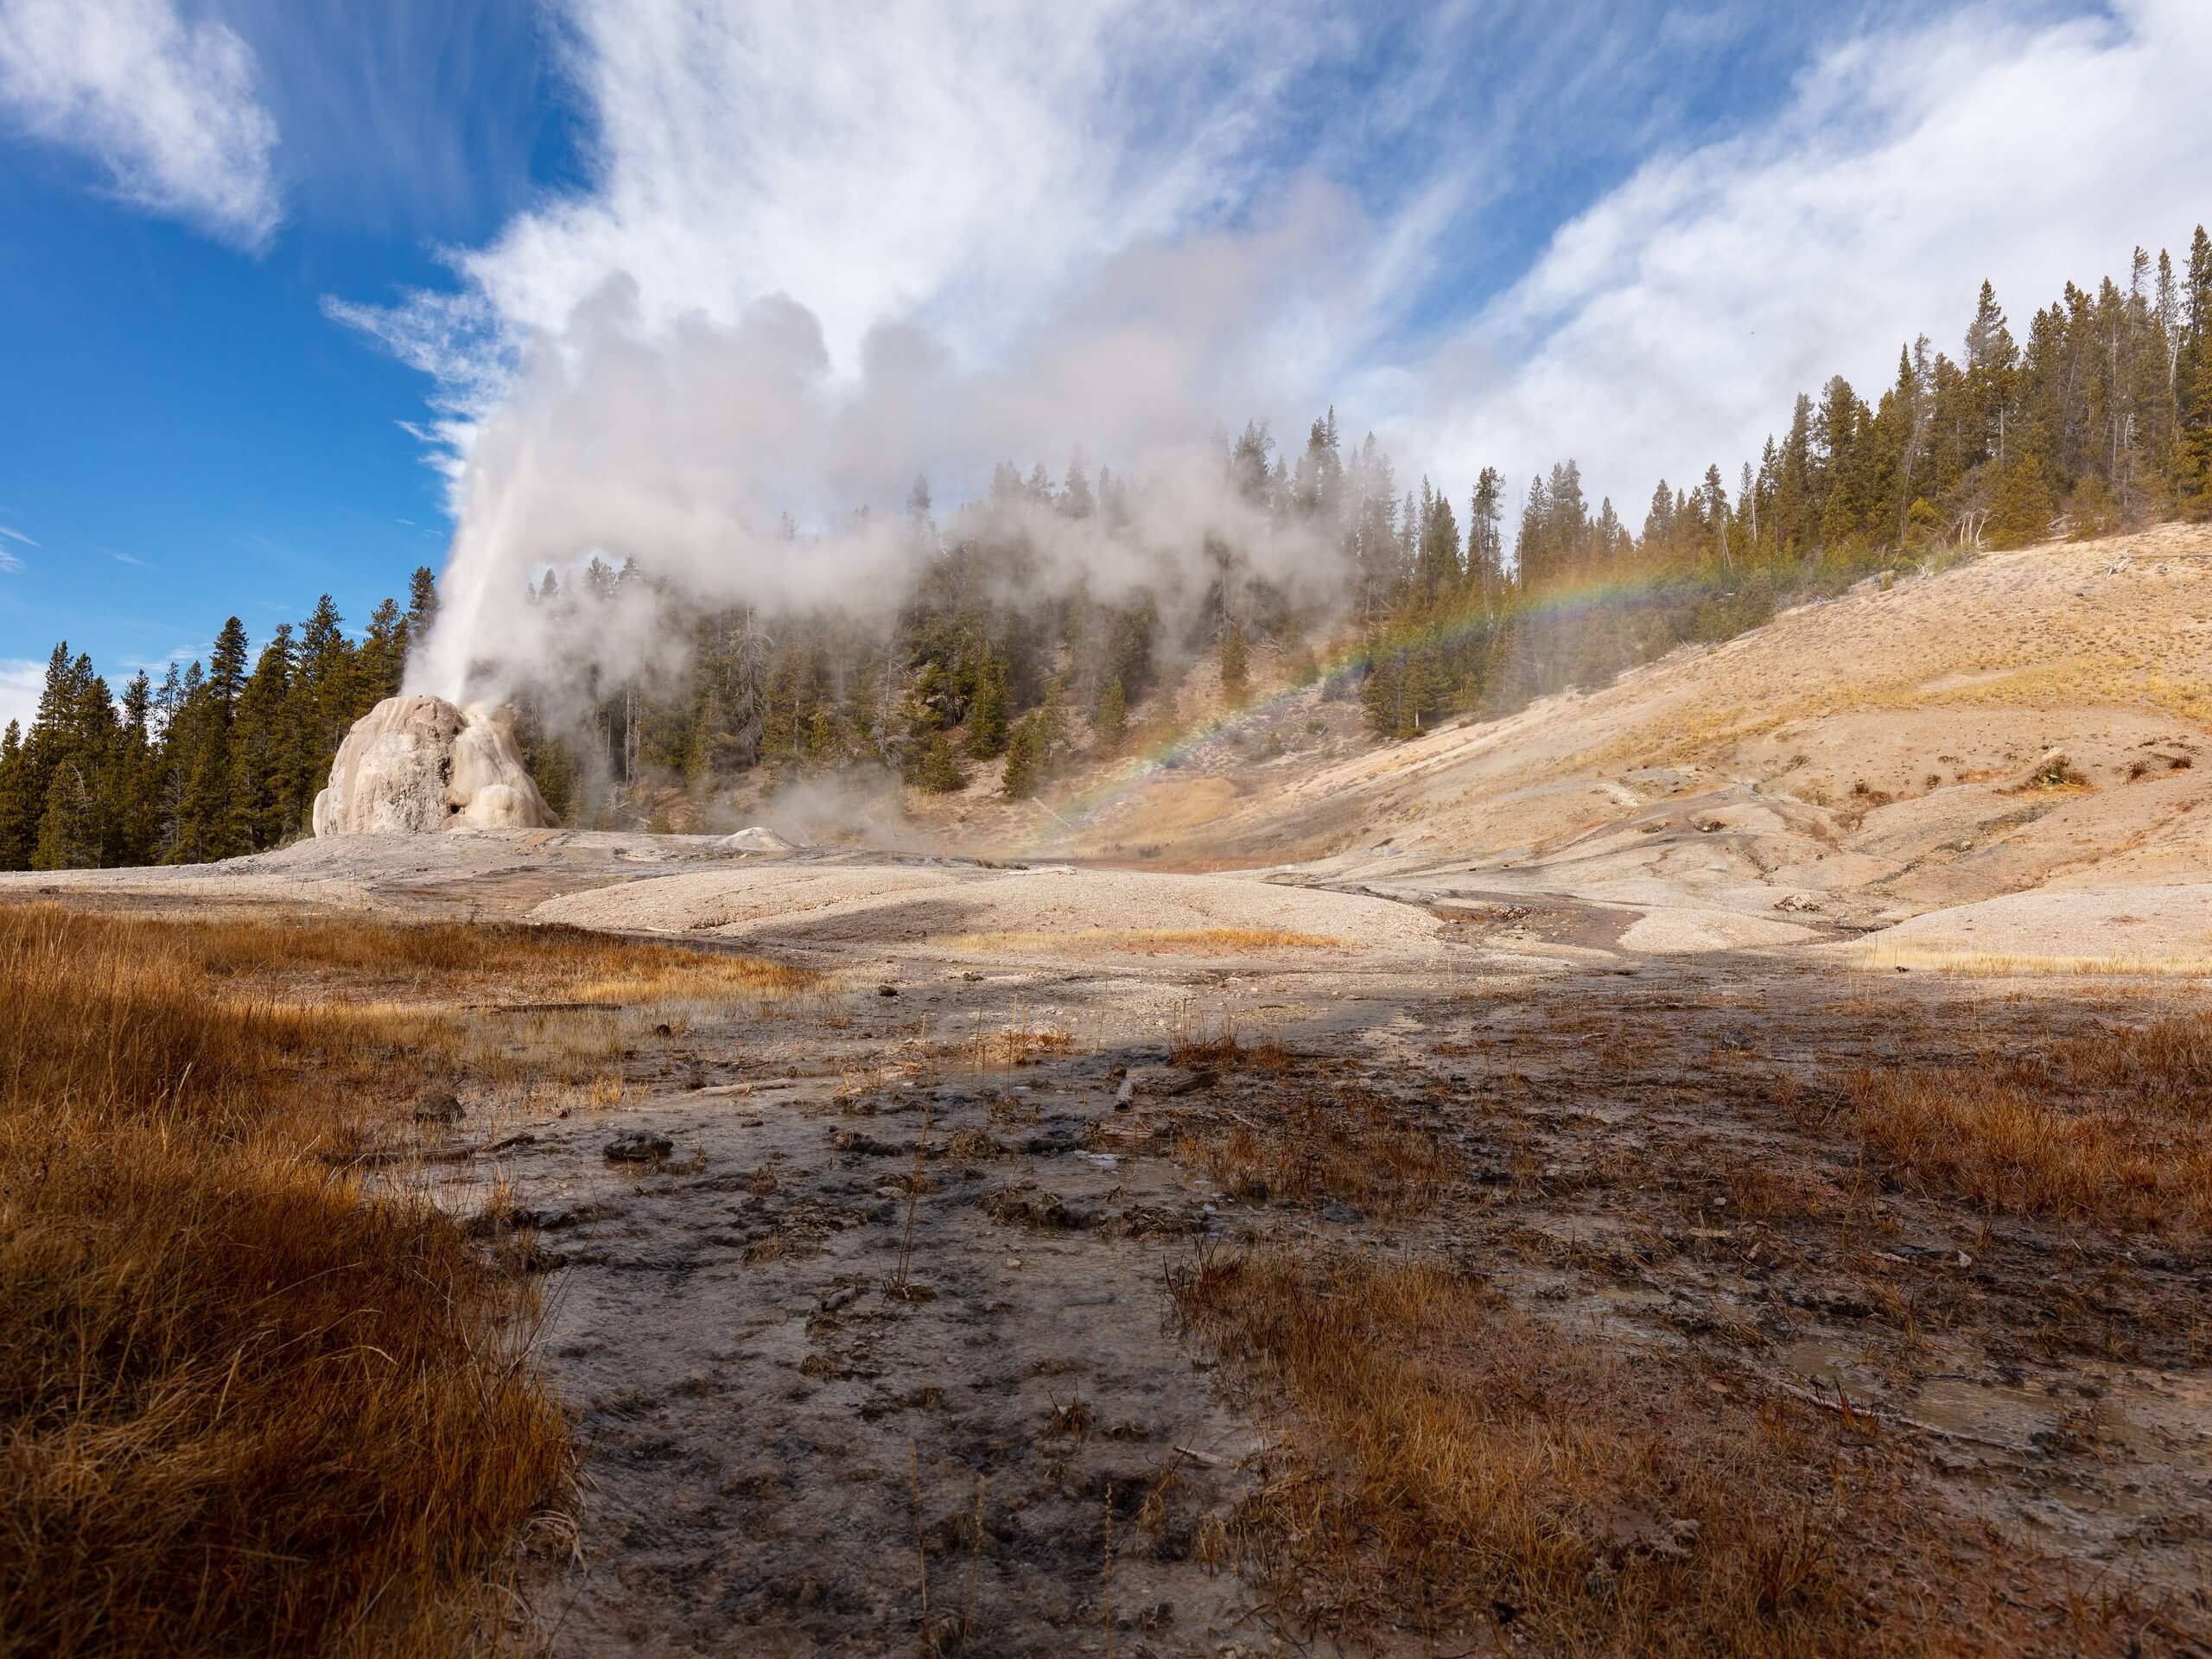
<point x="413" y="766"/>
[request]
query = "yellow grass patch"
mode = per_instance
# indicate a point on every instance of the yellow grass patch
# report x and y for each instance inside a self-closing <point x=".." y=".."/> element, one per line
<point x="451" y="961"/>
<point x="1960" y="959"/>
<point x="1458" y="1468"/>
<point x="2114" y="1130"/>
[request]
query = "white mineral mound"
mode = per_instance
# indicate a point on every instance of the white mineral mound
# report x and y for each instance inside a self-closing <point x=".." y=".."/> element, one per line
<point x="758" y="839"/>
<point x="416" y="765"/>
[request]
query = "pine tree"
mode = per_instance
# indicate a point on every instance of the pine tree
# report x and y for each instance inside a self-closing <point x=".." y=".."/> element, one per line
<point x="265" y="748"/>
<point x="326" y="700"/>
<point x="825" y="748"/>
<point x="213" y="819"/>
<point x="68" y="836"/>
<point x="18" y="811"/>
<point x="1486" y="540"/>
<point x="1024" y="760"/>
<point x="987" y="713"/>
<point x="1109" y="725"/>
<point x="2021" y="511"/>
<point x="383" y="654"/>
<point x="227" y="665"/>
<point x="129" y="793"/>
<point x="1236" y="663"/>
<point x="939" y="771"/>
<point x="2193" y="455"/>
<point x="422" y="606"/>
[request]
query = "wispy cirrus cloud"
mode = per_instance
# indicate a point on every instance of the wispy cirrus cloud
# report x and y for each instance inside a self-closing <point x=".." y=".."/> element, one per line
<point x="1669" y="322"/>
<point x="168" y="108"/>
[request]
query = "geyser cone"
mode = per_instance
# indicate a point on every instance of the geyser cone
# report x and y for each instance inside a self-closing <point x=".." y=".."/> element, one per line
<point x="415" y="764"/>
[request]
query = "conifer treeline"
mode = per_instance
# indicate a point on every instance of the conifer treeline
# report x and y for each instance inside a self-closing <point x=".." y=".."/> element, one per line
<point x="2101" y="419"/>
<point x="213" y="761"/>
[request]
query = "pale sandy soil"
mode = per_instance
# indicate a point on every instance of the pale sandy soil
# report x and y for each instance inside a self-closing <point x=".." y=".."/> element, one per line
<point x="1856" y="762"/>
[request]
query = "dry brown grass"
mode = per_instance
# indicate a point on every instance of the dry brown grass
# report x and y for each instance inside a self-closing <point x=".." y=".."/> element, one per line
<point x="1351" y="1147"/>
<point x="1198" y="1039"/>
<point x="2114" y="1130"/>
<point x="244" y="1406"/>
<point x="1974" y="964"/>
<point x="1459" y="1469"/>
<point x="358" y="958"/>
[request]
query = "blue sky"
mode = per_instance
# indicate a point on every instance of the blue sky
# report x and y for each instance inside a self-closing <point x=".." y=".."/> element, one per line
<point x="275" y="275"/>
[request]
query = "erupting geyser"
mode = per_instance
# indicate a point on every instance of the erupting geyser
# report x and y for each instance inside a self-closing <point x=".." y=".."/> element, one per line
<point x="414" y="764"/>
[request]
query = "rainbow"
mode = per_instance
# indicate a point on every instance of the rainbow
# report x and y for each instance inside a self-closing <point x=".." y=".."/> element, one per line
<point x="1562" y="600"/>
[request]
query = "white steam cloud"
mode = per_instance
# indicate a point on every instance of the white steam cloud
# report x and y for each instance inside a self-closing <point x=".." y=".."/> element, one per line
<point x="752" y="317"/>
<point x="685" y="446"/>
<point x="815" y="260"/>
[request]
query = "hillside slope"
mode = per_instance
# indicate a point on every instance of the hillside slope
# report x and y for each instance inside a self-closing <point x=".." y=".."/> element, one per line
<point x="2034" y="719"/>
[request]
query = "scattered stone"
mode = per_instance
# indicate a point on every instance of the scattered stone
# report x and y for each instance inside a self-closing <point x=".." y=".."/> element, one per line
<point x="639" y="1146"/>
<point x="886" y="990"/>
<point x="438" y="1106"/>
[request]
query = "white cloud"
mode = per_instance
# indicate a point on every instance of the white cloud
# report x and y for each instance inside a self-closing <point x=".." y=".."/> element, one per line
<point x="21" y="681"/>
<point x="169" y="108"/>
<point x="1670" y="324"/>
<point x="17" y="536"/>
<point x="950" y="165"/>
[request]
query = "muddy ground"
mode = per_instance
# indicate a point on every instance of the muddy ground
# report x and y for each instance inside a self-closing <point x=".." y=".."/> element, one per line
<point x="906" y="1251"/>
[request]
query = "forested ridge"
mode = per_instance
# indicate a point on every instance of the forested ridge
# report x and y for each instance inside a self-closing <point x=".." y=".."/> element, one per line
<point x="2099" y="420"/>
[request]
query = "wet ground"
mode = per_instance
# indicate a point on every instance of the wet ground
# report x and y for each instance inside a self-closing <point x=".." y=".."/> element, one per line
<point x="875" y="1354"/>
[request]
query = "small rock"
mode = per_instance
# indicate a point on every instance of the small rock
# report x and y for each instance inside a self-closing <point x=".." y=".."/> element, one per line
<point x="639" y="1146"/>
<point x="886" y="990"/>
<point x="438" y="1106"/>
<point x="663" y="1029"/>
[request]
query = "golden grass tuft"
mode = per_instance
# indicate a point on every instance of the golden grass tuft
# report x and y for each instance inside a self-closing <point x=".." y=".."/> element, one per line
<point x="1966" y="960"/>
<point x="2114" y="1130"/>
<point x="1457" y="1468"/>
<point x="451" y="961"/>
<point x="245" y="1406"/>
